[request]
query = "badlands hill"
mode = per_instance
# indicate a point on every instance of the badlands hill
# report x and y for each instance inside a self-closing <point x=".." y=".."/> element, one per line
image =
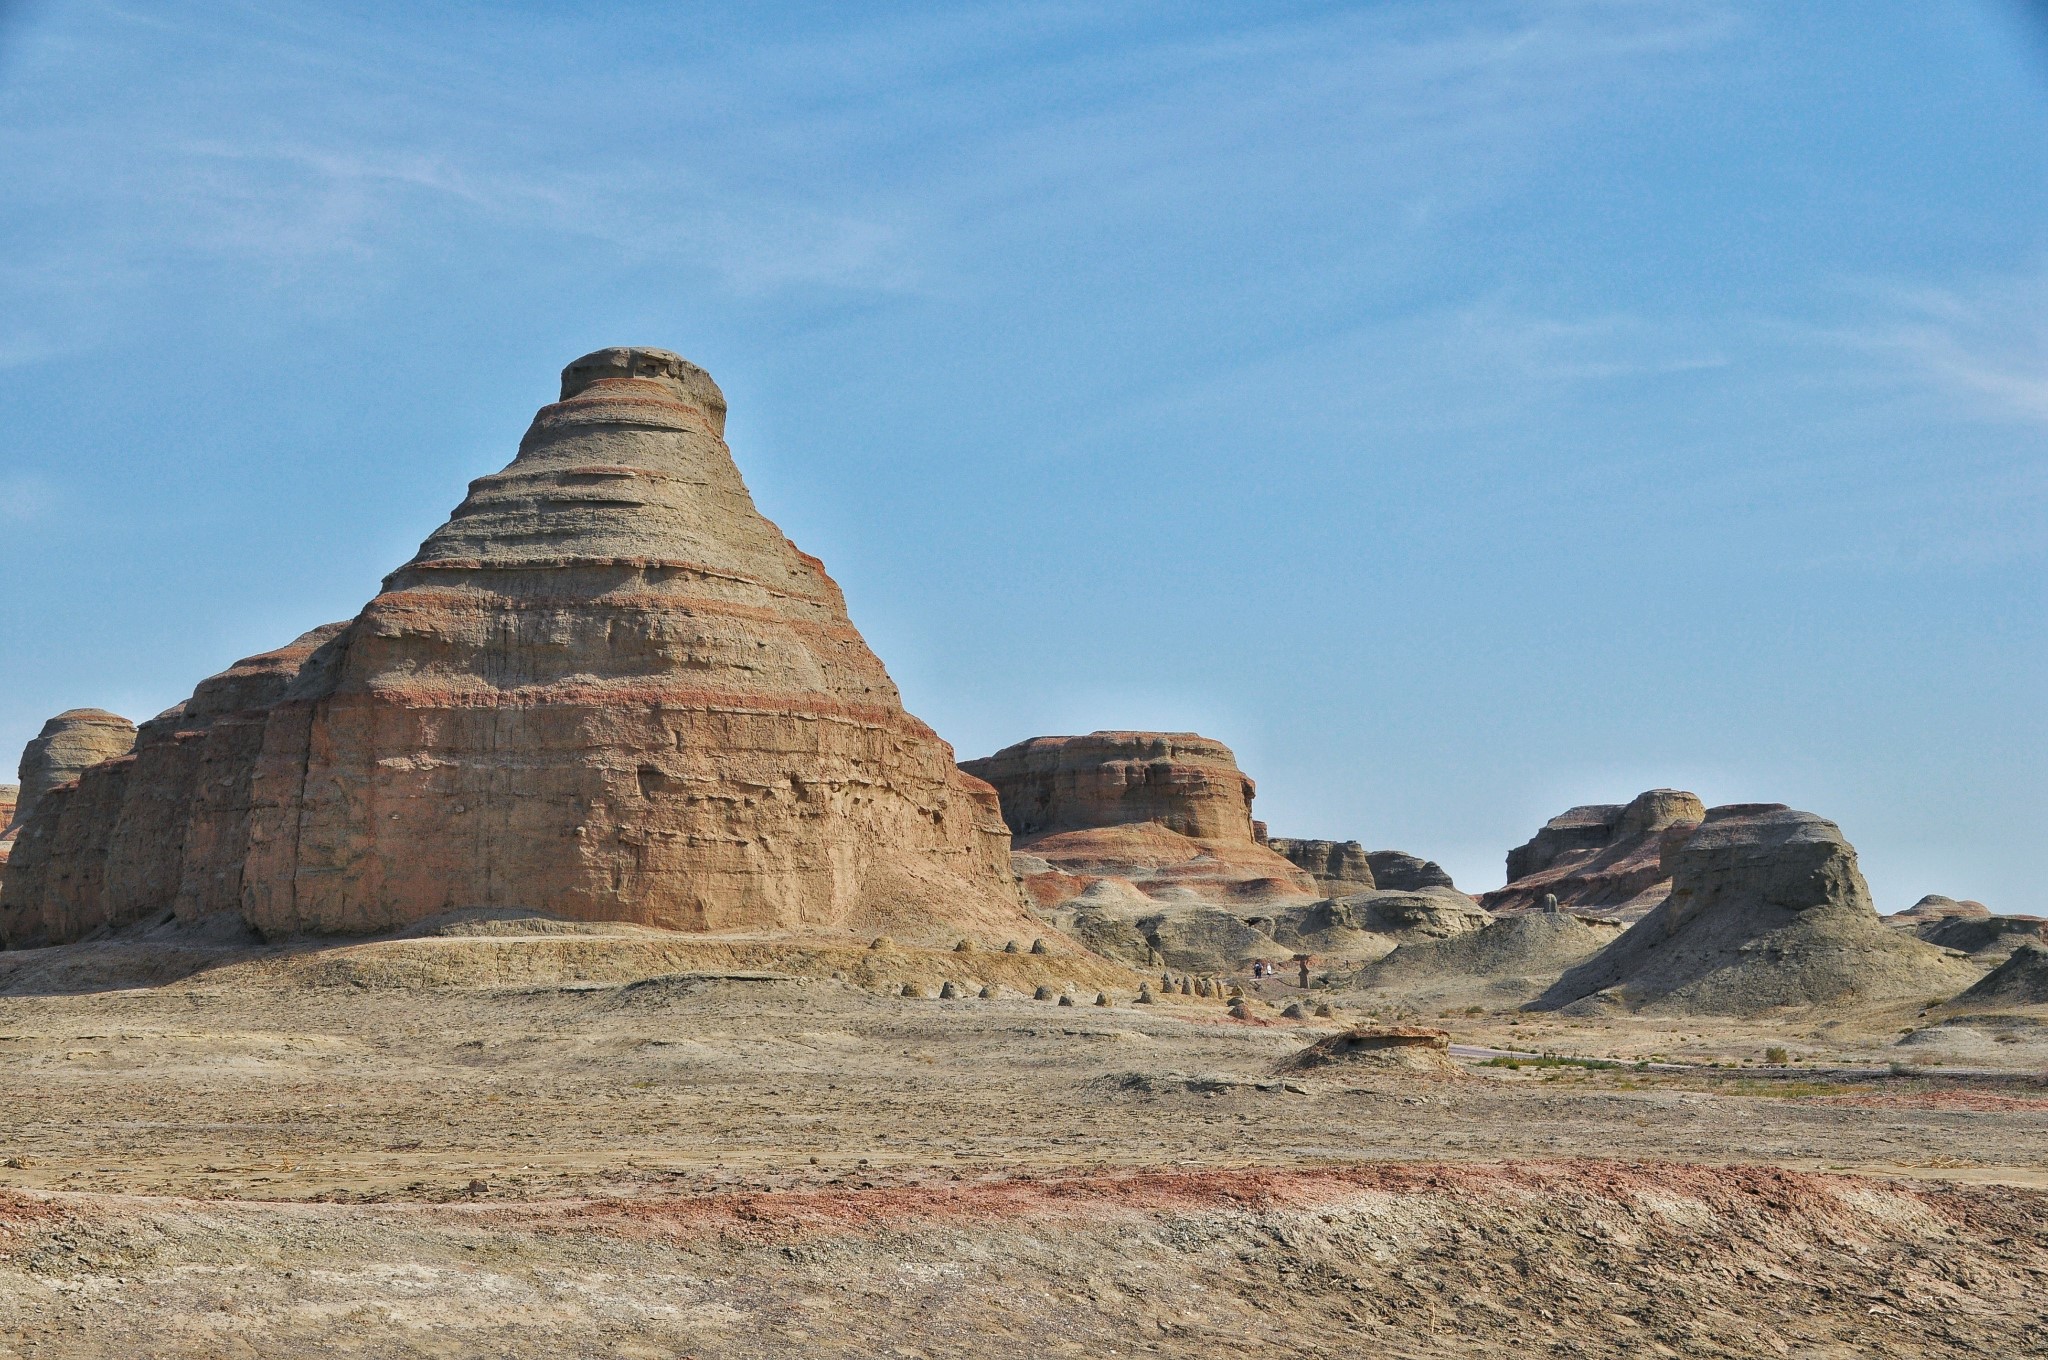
<point x="606" y="689"/>
<point x="1603" y="859"/>
<point x="1767" y="909"/>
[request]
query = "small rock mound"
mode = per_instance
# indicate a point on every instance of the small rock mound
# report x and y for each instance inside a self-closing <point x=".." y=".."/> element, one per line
<point x="1407" y="1048"/>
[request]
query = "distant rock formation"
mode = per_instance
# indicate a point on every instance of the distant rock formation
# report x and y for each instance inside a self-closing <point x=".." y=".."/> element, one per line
<point x="1935" y="907"/>
<point x="1969" y="928"/>
<point x="607" y="689"/>
<point x="1604" y="859"/>
<point x="9" y="793"/>
<point x="69" y="744"/>
<point x="1767" y="909"/>
<point x="1338" y="867"/>
<point x="1167" y="812"/>
<point x="1341" y="867"/>
<point x="1142" y="844"/>
<point x="1398" y="871"/>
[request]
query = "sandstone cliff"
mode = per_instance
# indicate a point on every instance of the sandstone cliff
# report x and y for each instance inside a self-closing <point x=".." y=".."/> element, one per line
<point x="1168" y="812"/>
<point x="1604" y="859"/>
<point x="1143" y="845"/>
<point x="1767" y="909"/>
<point x="1400" y="871"/>
<point x="606" y="689"/>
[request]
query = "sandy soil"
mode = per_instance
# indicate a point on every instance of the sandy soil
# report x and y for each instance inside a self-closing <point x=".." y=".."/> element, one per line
<point x="336" y="1152"/>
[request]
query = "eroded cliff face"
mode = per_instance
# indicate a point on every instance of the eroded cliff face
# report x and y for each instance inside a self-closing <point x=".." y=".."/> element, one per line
<point x="607" y="688"/>
<point x="1607" y="860"/>
<point x="1186" y="783"/>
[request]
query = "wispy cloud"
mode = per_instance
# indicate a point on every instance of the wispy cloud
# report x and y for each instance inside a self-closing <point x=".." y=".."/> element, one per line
<point x="1982" y="342"/>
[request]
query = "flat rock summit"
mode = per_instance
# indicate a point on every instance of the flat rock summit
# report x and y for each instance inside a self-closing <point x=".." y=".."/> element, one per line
<point x="606" y="689"/>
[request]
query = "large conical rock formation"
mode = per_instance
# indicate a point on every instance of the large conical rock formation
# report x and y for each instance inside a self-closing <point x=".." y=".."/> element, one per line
<point x="1767" y="909"/>
<point x="607" y="688"/>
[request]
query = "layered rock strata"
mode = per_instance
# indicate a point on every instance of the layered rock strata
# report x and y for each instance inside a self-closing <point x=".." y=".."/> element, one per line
<point x="1167" y="812"/>
<point x="606" y="689"/>
<point x="1143" y="845"/>
<point x="162" y="827"/>
<point x="69" y="744"/>
<point x="1336" y="866"/>
<point x="1767" y="909"/>
<point x="1603" y="859"/>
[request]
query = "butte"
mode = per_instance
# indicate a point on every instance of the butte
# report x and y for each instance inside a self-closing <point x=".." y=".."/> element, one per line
<point x="606" y="689"/>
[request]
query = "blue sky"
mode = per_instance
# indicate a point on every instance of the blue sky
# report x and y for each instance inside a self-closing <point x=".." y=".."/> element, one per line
<point x="1463" y="410"/>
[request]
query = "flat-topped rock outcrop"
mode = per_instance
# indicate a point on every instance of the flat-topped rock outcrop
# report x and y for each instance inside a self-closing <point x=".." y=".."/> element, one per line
<point x="1143" y="844"/>
<point x="607" y="689"/>
<point x="1337" y="866"/>
<point x="1603" y="859"/>
<point x="1767" y="909"/>
<point x="1169" y="812"/>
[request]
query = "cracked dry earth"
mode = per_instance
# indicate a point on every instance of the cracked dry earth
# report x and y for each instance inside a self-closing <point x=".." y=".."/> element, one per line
<point x="705" y="1166"/>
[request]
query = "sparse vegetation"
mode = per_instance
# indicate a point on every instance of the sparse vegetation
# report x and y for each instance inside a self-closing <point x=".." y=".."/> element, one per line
<point x="1514" y="1064"/>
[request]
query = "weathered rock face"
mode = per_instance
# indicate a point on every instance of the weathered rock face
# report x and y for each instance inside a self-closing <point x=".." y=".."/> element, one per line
<point x="1186" y="783"/>
<point x="1513" y="960"/>
<point x="1337" y="866"/>
<point x="1767" y="908"/>
<point x="165" y="826"/>
<point x="1605" y="859"/>
<point x="1399" y="871"/>
<point x="1169" y="812"/>
<point x="69" y="744"/>
<point x="1143" y="844"/>
<point x="606" y="689"/>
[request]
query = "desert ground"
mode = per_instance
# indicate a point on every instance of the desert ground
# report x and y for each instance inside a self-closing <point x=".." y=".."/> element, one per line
<point x="615" y="1142"/>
